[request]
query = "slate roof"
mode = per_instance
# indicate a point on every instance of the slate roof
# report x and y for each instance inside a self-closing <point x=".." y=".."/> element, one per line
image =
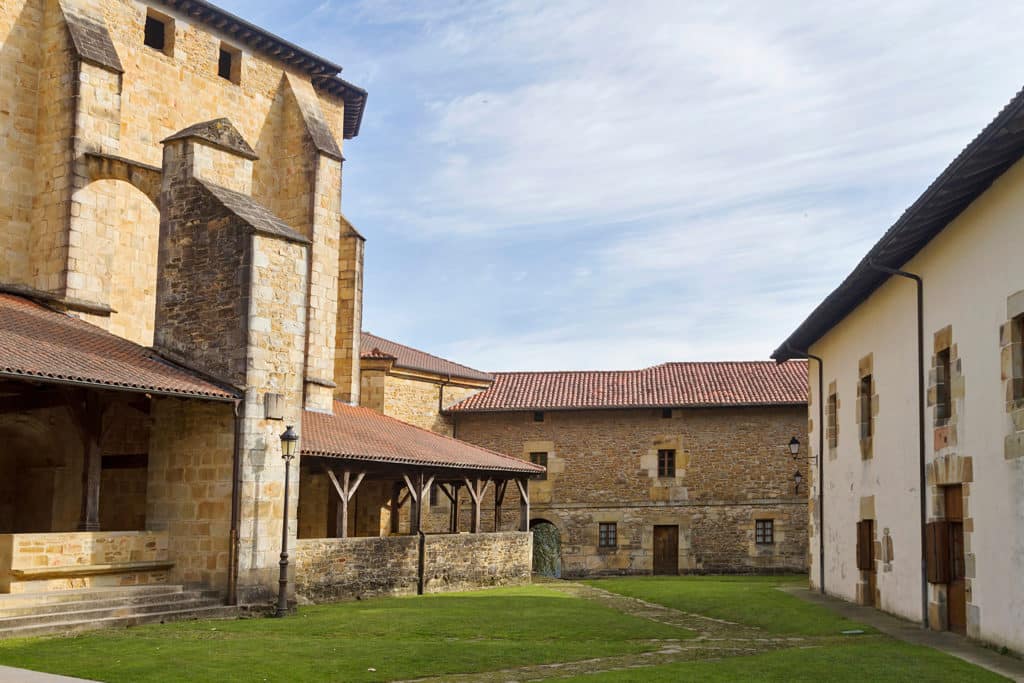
<point x="372" y="346"/>
<point x="357" y="433"/>
<point x="38" y="343"/>
<point x="720" y="384"/>
<point x="255" y="215"/>
<point x="988" y="156"/>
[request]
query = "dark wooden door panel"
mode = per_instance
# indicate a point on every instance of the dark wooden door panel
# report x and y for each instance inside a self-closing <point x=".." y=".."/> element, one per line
<point x="666" y="549"/>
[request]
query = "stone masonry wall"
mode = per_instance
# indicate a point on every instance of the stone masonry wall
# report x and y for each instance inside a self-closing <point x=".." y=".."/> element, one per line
<point x="732" y="467"/>
<point x="189" y="488"/>
<point x="346" y="568"/>
<point x="417" y="402"/>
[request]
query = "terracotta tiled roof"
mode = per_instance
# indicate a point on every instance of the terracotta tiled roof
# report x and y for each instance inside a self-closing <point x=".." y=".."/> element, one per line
<point x="41" y="344"/>
<point x="373" y="346"/>
<point x="666" y="385"/>
<point x="357" y="433"/>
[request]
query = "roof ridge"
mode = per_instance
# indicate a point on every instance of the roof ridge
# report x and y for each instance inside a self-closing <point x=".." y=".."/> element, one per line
<point x="767" y="362"/>
<point x="425" y="353"/>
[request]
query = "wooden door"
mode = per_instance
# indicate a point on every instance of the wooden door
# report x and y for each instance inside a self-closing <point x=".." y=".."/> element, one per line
<point x="666" y="549"/>
<point x="866" y="560"/>
<point x="956" y="594"/>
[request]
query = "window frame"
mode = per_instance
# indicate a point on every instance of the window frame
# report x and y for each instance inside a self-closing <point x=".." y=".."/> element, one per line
<point x="167" y="35"/>
<point x="832" y="420"/>
<point x="234" y="65"/>
<point x="764" y="532"/>
<point x="666" y="456"/>
<point x="607" y="535"/>
<point x="542" y="459"/>
<point x="864" y="407"/>
<point x="943" y="390"/>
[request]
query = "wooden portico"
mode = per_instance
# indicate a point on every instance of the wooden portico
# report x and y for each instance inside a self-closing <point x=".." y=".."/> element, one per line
<point x="394" y="468"/>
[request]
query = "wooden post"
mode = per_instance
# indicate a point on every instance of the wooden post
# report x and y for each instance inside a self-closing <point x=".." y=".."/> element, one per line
<point x="499" y="498"/>
<point x="89" y="414"/>
<point x="476" y="488"/>
<point x="346" y="491"/>
<point x="417" y="493"/>
<point x="396" y="506"/>
<point x="524" y="503"/>
<point x="453" y="526"/>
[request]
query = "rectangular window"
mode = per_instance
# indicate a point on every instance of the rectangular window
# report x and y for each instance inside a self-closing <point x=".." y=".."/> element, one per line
<point x="538" y="416"/>
<point x="666" y="463"/>
<point x="541" y="459"/>
<point x="607" y="535"/>
<point x="865" y="407"/>
<point x="764" y="531"/>
<point x="943" y="396"/>
<point x="229" y="63"/>
<point x="158" y="32"/>
<point x="666" y="413"/>
<point x="833" y="433"/>
<point x="1018" y="358"/>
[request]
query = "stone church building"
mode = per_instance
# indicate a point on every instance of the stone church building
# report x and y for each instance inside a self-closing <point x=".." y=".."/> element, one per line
<point x="177" y="285"/>
<point x="683" y="467"/>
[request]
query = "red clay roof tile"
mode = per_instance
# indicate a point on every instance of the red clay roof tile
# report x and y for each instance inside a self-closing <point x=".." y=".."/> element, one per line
<point x="666" y="385"/>
<point x="358" y="433"/>
<point x="372" y="346"/>
<point x="38" y="343"/>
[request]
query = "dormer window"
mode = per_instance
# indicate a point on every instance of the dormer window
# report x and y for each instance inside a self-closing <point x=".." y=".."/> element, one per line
<point x="229" y="63"/>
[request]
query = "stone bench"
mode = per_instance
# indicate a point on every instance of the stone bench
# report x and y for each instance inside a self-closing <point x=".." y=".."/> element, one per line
<point x="81" y="570"/>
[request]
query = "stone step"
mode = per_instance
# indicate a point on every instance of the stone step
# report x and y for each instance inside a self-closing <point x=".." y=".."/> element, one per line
<point x="77" y="625"/>
<point x="102" y="603"/>
<point x="124" y="610"/>
<point x="13" y="600"/>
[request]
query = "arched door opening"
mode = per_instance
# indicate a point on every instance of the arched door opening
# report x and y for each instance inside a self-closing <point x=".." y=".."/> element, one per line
<point x="547" y="548"/>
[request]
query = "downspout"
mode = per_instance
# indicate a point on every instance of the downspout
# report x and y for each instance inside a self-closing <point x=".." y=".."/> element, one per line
<point x="920" y="425"/>
<point x="236" y="504"/>
<point x="821" y="463"/>
<point x="421" y="566"/>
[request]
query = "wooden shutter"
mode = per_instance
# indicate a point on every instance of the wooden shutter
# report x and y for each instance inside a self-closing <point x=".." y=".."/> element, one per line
<point x="865" y="543"/>
<point x="937" y="551"/>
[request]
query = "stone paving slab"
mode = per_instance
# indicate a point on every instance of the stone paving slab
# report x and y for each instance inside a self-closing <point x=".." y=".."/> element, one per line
<point x="11" y="675"/>
<point x="910" y="632"/>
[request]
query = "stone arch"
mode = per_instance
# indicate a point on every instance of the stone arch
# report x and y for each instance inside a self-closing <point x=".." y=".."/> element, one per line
<point x="547" y="548"/>
<point x="115" y="242"/>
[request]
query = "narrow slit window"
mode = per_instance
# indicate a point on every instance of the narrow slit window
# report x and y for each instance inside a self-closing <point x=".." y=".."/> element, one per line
<point x="833" y="434"/>
<point x="666" y="463"/>
<point x="607" y="535"/>
<point x="865" y="407"/>
<point x="764" y="531"/>
<point x="1018" y="358"/>
<point x="540" y="458"/>
<point x="943" y="395"/>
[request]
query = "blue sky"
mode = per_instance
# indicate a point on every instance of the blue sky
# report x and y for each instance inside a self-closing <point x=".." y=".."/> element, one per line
<point x="610" y="185"/>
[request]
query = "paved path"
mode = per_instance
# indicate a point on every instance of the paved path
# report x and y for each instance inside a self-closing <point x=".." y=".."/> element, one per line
<point x="909" y="632"/>
<point x="12" y="675"/>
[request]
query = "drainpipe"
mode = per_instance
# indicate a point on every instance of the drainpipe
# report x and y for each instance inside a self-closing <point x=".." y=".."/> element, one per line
<point x="236" y="504"/>
<point x="920" y="424"/>
<point x="821" y="463"/>
<point x="421" y="569"/>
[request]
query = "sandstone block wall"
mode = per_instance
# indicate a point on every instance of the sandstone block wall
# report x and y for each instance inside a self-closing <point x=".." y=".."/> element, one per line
<point x="346" y="568"/>
<point x="732" y="467"/>
<point x="411" y="397"/>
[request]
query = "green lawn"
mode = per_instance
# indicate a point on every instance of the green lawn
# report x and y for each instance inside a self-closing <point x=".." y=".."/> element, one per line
<point x="753" y="600"/>
<point x="496" y="629"/>
<point x="399" y="637"/>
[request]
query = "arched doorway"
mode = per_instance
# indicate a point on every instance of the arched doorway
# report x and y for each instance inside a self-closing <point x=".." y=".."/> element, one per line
<point x="547" y="548"/>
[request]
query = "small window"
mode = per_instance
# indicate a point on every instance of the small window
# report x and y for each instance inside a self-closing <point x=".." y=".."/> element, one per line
<point x="540" y="459"/>
<point x="943" y="395"/>
<point x="865" y="407"/>
<point x="764" y="531"/>
<point x="666" y="463"/>
<point x="607" y="536"/>
<point x="538" y="416"/>
<point x="666" y="413"/>
<point x="159" y="32"/>
<point x="229" y="63"/>
<point x="833" y="433"/>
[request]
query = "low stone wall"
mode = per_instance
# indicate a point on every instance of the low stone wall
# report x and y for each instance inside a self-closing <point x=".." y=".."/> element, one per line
<point x="331" y="569"/>
<point x="457" y="562"/>
<point x="81" y="549"/>
<point x="328" y="569"/>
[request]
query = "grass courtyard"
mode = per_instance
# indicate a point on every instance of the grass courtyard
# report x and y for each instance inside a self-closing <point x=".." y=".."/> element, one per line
<point x="686" y="628"/>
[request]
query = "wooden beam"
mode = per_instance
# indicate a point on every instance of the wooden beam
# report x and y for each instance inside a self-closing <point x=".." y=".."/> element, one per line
<point x="524" y="503"/>
<point x="396" y="506"/>
<point x="499" y="498"/>
<point x="476" y="492"/>
<point x="32" y="400"/>
<point x="90" y="419"/>
<point x="453" y="522"/>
